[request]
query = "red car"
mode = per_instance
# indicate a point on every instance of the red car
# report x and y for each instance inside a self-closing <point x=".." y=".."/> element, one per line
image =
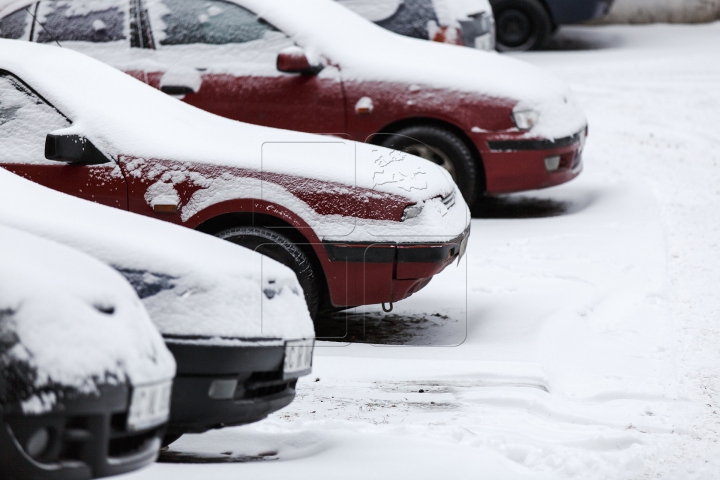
<point x="359" y="224"/>
<point x="495" y="123"/>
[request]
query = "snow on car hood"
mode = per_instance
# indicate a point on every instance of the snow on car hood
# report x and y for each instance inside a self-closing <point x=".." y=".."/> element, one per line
<point x="367" y="52"/>
<point x="139" y="121"/>
<point x="67" y="320"/>
<point x="192" y="284"/>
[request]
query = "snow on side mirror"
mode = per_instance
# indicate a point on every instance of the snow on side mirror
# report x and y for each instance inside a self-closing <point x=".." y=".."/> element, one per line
<point x="294" y="60"/>
<point x="72" y="149"/>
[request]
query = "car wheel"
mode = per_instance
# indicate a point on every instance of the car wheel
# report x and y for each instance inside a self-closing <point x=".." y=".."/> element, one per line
<point x="279" y="247"/>
<point x="443" y="148"/>
<point x="521" y="25"/>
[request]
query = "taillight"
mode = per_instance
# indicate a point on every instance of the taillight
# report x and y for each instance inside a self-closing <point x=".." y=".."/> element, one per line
<point x="451" y="35"/>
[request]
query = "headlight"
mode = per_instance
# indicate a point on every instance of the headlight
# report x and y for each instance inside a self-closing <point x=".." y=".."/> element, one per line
<point x="525" y="119"/>
<point x="411" y="212"/>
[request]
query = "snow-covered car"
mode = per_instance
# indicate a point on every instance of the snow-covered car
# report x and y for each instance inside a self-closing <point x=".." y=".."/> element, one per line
<point x="529" y="24"/>
<point x="460" y="22"/>
<point x="497" y="124"/>
<point x="85" y="378"/>
<point x="359" y="224"/>
<point x="235" y="321"/>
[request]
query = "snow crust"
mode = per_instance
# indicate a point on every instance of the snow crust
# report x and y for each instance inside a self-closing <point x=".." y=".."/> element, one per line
<point x="78" y="88"/>
<point x="73" y="321"/>
<point x="191" y="283"/>
<point x="581" y="343"/>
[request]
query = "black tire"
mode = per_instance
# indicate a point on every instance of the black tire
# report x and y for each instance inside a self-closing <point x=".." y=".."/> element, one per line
<point x="279" y="247"/>
<point x="443" y="148"/>
<point x="521" y="25"/>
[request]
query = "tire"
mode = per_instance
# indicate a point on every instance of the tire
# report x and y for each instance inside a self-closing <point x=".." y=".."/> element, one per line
<point x="521" y="25"/>
<point x="279" y="247"/>
<point x="443" y="148"/>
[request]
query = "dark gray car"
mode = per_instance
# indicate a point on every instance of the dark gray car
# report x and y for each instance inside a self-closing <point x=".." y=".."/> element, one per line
<point x="529" y="24"/>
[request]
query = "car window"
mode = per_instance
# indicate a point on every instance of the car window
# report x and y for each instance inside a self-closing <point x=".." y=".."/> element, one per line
<point x="183" y="22"/>
<point x="15" y="25"/>
<point x="97" y="21"/>
<point x="25" y="121"/>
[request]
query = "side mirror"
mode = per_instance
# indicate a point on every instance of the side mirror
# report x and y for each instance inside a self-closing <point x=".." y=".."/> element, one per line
<point x="294" y="60"/>
<point x="72" y="149"/>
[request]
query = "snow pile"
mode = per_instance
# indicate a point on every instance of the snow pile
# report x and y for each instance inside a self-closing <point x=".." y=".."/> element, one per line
<point x="190" y="283"/>
<point x="69" y="321"/>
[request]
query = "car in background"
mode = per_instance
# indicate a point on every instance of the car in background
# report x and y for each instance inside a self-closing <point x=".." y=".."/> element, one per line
<point x="460" y="22"/>
<point x="359" y="224"/>
<point x="496" y="124"/>
<point x="85" y="379"/>
<point x="235" y="321"/>
<point x="528" y="24"/>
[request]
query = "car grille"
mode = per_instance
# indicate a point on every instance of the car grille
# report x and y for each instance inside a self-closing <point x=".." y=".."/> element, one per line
<point x="265" y="384"/>
<point x="449" y="200"/>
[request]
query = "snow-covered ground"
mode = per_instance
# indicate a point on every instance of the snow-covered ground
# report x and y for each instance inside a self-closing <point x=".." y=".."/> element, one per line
<point x="581" y="342"/>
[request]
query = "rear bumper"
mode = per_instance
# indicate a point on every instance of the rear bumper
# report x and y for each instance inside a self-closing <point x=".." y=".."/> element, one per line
<point x="515" y="165"/>
<point x="87" y="439"/>
<point x="218" y="386"/>
<point x="388" y="272"/>
<point x="564" y="12"/>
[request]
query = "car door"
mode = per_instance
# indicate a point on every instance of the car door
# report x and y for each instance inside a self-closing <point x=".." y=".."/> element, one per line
<point x="25" y="120"/>
<point x="221" y="57"/>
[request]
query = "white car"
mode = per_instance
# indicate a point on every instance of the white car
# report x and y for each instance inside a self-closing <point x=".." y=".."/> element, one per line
<point x="85" y="378"/>
<point x="236" y="321"/>
<point x="460" y="22"/>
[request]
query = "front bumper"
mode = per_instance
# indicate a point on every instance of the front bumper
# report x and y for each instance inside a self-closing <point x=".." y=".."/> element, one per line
<point x="517" y="164"/>
<point x="389" y="272"/>
<point x="87" y="438"/>
<point x="221" y="385"/>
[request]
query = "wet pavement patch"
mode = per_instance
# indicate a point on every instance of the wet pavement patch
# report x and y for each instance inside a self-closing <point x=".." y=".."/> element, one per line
<point x="379" y="328"/>
<point x="172" y="456"/>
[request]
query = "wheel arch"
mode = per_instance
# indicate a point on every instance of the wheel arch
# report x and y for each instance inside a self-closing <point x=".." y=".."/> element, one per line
<point x="398" y="125"/>
<point x="224" y="221"/>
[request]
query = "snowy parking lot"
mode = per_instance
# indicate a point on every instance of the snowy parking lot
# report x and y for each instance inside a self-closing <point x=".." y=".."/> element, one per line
<point x="580" y="335"/>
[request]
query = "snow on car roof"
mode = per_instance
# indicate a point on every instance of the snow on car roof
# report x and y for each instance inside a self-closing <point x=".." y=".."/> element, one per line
<point x="191" y="283"/>
<point x="122" y="115"/>
<point x="72" y="321"/>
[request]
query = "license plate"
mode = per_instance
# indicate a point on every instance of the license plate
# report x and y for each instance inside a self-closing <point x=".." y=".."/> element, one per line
<point x="149" y="406"/>
<point x="298" y="358"/>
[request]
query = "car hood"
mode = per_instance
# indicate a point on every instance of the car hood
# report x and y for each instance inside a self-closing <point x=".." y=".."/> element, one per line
<point x="67" y="321"/>
<point x="192" y="284"/>
<point x="140" y="122"/>
<point x="367" y="52"/>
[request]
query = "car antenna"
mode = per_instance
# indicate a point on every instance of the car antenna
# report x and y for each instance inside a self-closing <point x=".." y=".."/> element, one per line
<point x="35" y="20"/>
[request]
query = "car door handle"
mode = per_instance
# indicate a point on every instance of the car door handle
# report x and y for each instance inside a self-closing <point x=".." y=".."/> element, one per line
<point x="176" y="89"/>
